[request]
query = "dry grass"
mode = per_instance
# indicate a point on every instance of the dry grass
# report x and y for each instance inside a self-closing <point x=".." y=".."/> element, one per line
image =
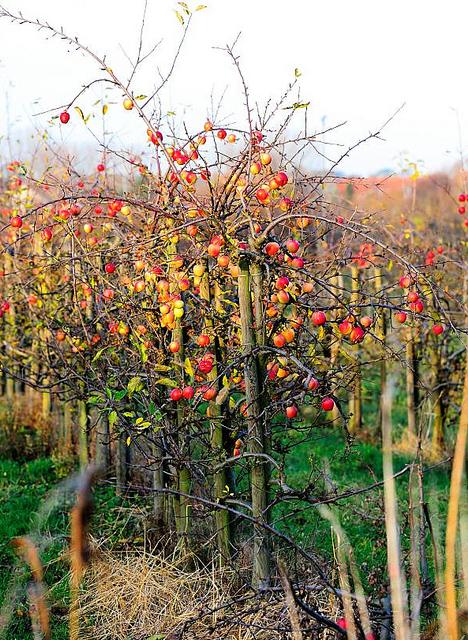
<point x="139" y="595"/>
<point x="25" y="434"/>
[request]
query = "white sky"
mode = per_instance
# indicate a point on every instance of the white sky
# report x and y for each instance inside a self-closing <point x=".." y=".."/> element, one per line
<point x="360" y="60"/>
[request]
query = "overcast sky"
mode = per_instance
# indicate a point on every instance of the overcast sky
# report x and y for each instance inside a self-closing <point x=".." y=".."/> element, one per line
<point x="360" y="60"/>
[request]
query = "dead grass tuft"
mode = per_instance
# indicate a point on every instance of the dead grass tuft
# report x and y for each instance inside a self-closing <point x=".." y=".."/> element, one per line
<point x="139" y="595"/>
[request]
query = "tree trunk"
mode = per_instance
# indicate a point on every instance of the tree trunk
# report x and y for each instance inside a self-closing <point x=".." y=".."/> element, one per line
<point x="411" y="383"/>
<point x="121" y="464"/>
<point x="258" y="475"/>
<point x="83" y="434"/>
<point x="437" y="445"/>
<point x="336" y="288"/>
<point x="67" y="435"/>
<point x="10" y="333"/>
<point x="182" y="505"/>
<point x="355" y="404"/>
<point x="381" y="333"/>
<point x="102" y="442"/>
<point x="159" y="501"/>
<point x="218" y="439"/>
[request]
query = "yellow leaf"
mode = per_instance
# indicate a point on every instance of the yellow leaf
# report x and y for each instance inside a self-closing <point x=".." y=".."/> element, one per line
<point x="80" y="113"/>
<point x="166" y="382"/>
<point x="297" y="73"/>
<point x="184" y="7"/>
<point x="179" y="17"/>
<point x="188" y="368"/>
<point x="105" y="109"/>
<point x="201" y="7"/>
<point x="128" y="441"/>
<point x="142" y="97"/>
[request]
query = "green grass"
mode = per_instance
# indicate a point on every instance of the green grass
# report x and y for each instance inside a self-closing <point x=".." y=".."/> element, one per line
<point x="30" y="505"/>
<point x="362" y="516"/>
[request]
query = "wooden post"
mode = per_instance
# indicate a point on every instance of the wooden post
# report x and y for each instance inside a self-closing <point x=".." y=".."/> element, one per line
<point x="258" y="475"/>
<point x="355" y="405"/>
<point x="218" y="438"/>
<point x="381" y="334"/>
<point x="83" y="434"/>
<point x="411" y="382"/>
<point x="102" y="441"/>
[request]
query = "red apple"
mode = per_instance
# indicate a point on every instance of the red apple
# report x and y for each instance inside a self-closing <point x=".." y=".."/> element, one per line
<point x="282" y="282"/>
<point x="174" y="346"/>
<point x="417" y="307"/>
<point x="328" y="404"/>
<point x="291" y="412"/>
<point x="16" y="222"/>
<point x="345" y="327"/>
<point x="356" y="335"/>
<point x="203" y="340"/>
<point x="175" y="394"/>
<point x="292" y="245"/>
<point x="188" y="392"/>
<point x="318" y="318"/>
<point x="205" y="365"/>
<point x="279" y="340"/>
<point x="46" y="234"/>
<point x="272" y="248"/>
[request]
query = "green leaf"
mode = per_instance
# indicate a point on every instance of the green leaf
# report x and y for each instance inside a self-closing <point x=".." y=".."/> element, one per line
<point x="119" y="395"/>
<point x="112" y="418"/>
<point x="98" y="354"/>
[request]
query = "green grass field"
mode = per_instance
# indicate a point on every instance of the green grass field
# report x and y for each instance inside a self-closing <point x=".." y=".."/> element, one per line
<point x="36" y="500"/>
<point x="30" y="504"/>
